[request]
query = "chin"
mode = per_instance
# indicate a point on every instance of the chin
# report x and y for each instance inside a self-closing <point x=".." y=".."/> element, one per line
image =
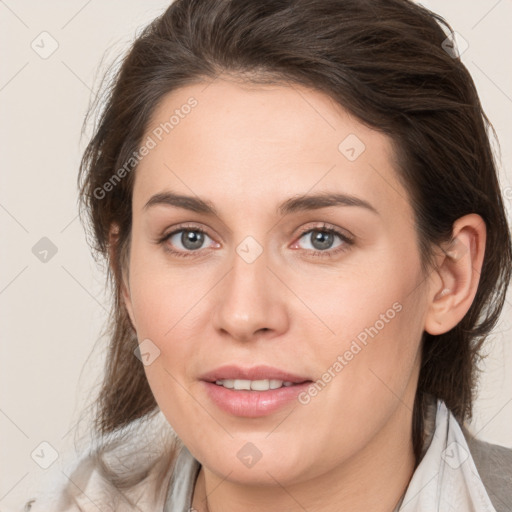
<point x="244" y="463"/>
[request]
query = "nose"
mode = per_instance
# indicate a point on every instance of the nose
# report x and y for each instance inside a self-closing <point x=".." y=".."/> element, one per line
<point x="251" y="301"/>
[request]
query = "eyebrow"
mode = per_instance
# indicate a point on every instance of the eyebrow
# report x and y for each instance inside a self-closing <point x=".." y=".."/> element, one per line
<point x="291" y="205"/>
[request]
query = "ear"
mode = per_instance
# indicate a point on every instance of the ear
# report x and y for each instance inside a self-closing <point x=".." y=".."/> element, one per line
<point x="125" y="285"/>
<point x="454" y="282"/>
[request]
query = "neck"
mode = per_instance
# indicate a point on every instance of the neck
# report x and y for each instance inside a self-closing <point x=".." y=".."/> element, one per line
<point x="373" y="479"/>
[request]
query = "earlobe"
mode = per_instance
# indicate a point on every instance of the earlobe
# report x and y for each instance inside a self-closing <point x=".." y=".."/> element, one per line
<point x="456" y="278"/>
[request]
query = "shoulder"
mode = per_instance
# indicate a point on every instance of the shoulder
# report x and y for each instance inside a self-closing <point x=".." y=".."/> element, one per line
<point x="126" y="473"/>
<point x="91" y="487"/>
<point x="494" y="465"/>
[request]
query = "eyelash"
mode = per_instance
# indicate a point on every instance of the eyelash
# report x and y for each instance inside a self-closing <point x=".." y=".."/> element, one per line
<point x="325" y="228"/>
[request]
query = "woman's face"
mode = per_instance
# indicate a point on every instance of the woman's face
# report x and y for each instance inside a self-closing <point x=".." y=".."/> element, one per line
<point x="308" y="268"/>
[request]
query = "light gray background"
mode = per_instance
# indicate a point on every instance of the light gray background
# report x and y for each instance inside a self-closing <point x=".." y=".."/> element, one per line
<point x="52" y="313"/>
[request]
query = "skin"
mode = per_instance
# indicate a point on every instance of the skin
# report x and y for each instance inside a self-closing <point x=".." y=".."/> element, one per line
<point x="247" y="149"/>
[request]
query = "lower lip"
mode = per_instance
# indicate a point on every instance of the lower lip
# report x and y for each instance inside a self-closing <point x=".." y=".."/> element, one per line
<point x="252" y="404"/>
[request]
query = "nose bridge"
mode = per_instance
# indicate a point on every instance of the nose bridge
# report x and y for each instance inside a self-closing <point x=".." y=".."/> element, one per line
<point x="248" y="301"/>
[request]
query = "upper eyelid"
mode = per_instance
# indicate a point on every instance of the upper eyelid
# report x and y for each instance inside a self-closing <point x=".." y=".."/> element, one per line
<point x="325" y="226"/>
<point x="328" y="227"/>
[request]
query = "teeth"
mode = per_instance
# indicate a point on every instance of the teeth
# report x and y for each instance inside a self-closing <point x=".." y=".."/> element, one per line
<point x="274" y="384"/>
<point x="241" y="384"/>
<point x="228" y="383"/>
<point x="255" y="385"/>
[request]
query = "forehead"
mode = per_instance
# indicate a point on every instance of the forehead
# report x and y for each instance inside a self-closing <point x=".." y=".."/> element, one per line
<point x="219" y="138"/>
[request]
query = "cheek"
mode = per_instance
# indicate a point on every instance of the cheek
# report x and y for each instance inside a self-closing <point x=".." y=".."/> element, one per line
<point x="164" y="295"/>
<point x="164" y="302"/>
<point x="375" y="325"/>
<point x="374" y="349"/>
<point x="167" y="315"/>
<point x="366" y="372"/>
<point x="379" y="299"/>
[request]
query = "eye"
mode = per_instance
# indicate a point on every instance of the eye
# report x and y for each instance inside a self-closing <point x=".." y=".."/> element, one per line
<point x="324" y="241"/>
<point x="185" y="240"/>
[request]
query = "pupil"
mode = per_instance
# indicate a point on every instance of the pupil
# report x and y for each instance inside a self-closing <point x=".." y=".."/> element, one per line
<point x="322" y="239"/>
<point x="192" y="239"/>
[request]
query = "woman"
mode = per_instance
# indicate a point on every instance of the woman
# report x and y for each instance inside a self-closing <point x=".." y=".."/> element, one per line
<point x="308" y="246"/>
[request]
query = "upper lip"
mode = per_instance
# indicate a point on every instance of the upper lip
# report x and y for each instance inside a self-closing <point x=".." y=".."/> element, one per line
<point x="260" y="372"/>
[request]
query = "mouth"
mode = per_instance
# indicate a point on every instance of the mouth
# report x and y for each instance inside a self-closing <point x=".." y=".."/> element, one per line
<point x="254" y="385"/>
<point x="252" y="392"/>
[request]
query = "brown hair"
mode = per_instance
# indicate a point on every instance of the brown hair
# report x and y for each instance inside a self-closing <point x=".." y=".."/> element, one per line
<point x="383" y="61"/>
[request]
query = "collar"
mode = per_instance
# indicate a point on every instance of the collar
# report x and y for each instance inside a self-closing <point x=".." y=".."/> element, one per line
<point x="446" y="479"/>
